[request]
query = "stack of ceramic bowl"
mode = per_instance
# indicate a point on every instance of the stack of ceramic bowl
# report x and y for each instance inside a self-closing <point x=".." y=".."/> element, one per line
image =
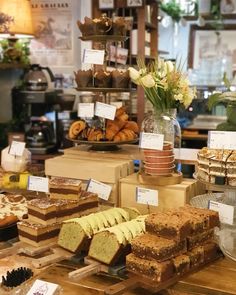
<point x="159" y="162"/>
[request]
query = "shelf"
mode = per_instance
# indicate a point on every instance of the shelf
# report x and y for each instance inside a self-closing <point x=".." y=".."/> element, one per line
<point x="97" y="89"/>
<point x="209" y="17"/>
<point x="12" y="66"/>
<point x="146" y="57"/>
<point x="104" y="38"/>
<point x="148" y="25"/>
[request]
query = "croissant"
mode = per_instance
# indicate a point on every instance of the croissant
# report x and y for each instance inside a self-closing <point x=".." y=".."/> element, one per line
<point x="95" y="135"/>
<point x="76" y="128"/>
<point x="123" y="117"/>
<point x="113" y="127"/>
<point x="120" y="112"/>
<point x="132" y="125"/>
<point x="124" y="134"/>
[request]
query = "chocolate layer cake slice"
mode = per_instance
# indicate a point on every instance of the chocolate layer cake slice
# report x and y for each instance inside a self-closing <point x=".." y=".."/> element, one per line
<point x="150" y="268"/>
<point x="37" y="234"/>
<point x="154" y="247"/>
<point x="65" y="188"/>
<point x="168" y="225"/>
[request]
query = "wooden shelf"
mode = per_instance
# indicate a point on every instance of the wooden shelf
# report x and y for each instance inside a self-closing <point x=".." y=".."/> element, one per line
<point x="209" y="17"/>
<point x="98" y="89"/>
<point x="12" y="66"/>
<point x="148" y="25"/>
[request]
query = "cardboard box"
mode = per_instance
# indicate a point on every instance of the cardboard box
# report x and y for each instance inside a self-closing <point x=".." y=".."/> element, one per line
<point x="170" y="196"/>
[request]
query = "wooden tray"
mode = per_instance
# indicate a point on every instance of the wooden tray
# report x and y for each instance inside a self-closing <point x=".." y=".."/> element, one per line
<point x="174" y="178"/>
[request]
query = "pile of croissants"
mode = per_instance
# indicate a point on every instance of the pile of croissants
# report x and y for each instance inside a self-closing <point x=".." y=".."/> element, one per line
<point x="119" y="129"/>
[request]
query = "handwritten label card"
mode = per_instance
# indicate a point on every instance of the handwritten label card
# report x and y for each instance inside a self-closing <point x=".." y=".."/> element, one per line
<point x="38" y="184"/>
<point x="17" y="148"/>
<point x="103" y="190"/>
<point x="152" y="141"/>
<point x="147" y="196"/>
<point x="222" y="140"/>
<point x="226" y="212"/>
<point x="86" y="110"/>
<point x="104" y="110"/>
<point x="92" y="56"/>
<point x="43" y="288"/>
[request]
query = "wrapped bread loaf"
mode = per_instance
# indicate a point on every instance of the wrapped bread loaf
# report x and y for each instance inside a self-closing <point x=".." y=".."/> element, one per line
<point x="76" y="234"/>
<point x="112" y="244"/>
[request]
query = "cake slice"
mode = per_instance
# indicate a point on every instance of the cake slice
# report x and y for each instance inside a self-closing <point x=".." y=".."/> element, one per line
<point x="42" y="211"/>
<point x="37" y="234"/>
<point x="199" y="239"/>
<point x="65" y="188"/>
<point x="150" y="268"/>
<point x="168" y="225"/>
<point x="111" y="245"/>
<point x="154" y="247"/>
<point x="181" y="264"/>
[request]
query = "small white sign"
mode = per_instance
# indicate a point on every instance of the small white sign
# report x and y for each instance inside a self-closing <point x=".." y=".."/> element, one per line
<point x="104" y="110"/>
<point x="146" y="196"/>
<point x="103" y="190"/>
<point x="43" y="288"/>
<point x="222" y="140"/>
<point x="152" y="141"/>
<point x="86" y="110"/>
<point x="38" y="184"/>
<point x="226" y="212"/>
<point x="92" y="56"/>
<point x="17" y="148"/>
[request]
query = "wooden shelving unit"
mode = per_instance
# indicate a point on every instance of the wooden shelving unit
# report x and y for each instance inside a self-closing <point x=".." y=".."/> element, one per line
<point x="142" y="25"/>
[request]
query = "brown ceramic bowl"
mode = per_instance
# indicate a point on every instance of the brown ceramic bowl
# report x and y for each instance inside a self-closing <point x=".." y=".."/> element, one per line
<point x="157" y="160"/>
<point x="157" y="153"/>
<point x="159" y="165"/>
<point x="159" y="171"/>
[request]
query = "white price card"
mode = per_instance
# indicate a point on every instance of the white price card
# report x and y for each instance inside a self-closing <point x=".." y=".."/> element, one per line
<point x="226" y="212"/>
<point x="41" y="287"/>
<point x="85" y="110"/>
<point x="104" y="110"/>
<point x="92" y="56"/>
<point x="152" y="141"/>
<point x="146" y="196"/>
<point x="17" y="148"/>
<point x="38" y="184"/>
<point x="222" y="140"/>
<point x="103" y="190"/>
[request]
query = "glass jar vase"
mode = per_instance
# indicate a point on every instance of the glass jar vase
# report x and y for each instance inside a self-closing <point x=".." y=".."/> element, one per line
<point x="161" y="162"/>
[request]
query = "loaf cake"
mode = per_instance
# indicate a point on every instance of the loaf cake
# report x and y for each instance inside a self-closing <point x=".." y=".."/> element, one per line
<point x="168" y="225"/>
<point x="65" y="188"/>
<point x="217" y="166"/>
<point x="150" y="268"/>
<point x="76" y="234"/>
<point x="154" y="247"/>
<point x="111" y="245"/>
<point x="48" y="211"/>
<point x="36" y="234"/>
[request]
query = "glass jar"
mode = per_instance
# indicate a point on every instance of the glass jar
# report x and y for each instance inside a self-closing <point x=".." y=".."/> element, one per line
<point x="161" y="162"/>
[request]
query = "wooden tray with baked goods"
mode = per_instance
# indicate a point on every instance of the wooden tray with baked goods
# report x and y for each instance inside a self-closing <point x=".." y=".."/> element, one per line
<point x="114" y="132"/>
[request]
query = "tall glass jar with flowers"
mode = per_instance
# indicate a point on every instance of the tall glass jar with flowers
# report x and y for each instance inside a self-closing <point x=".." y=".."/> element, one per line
<point x="167" y="88"/>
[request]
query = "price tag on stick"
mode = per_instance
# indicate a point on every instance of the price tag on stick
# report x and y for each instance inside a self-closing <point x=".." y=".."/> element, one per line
<point x="147" y="196"/>
<point x="104" y="110"/>
<point x="92" y="56"/>
<point x="38" y="184"/>
<point x="152" y="141"/>
<point x="103" y="190"/>
<point x="226" y="212"/>
<point x="17" y="148"/>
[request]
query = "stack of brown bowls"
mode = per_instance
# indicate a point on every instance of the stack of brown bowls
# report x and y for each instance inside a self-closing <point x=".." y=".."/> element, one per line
<point x="159" y="162"/>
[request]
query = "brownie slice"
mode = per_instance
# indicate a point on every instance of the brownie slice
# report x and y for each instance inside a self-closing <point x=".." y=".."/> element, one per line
<point x="168" y="225"/>
<point x="196" y="256"/>
<point x="150" y="268"/>
<point x="152" y="246"/>
<point x="211" y="218"/>
<point x="211" y="251"/>
<point x="198" y="239"/>
<point x="181" y="264"/>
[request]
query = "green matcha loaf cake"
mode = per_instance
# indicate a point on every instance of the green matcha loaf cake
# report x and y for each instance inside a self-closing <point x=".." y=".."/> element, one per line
<point x="76" y="234"/>
<point x="111" y="245"/>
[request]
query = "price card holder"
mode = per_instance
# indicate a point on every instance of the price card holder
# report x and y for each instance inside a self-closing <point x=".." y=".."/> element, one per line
<point x="152" y="141"/>
<point x="38" y="184"/>
<point x="104" y="110"/>
<point x="103" y="190"/>
<point x="41" y="287"/>
<point x="226" y="212"/>
<point x="146" y="196"/>
<point x="17" y="148"/>
<point x="92" y="56"/>
<point x="86" y="110"/>
<point x="222" y="140"/>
